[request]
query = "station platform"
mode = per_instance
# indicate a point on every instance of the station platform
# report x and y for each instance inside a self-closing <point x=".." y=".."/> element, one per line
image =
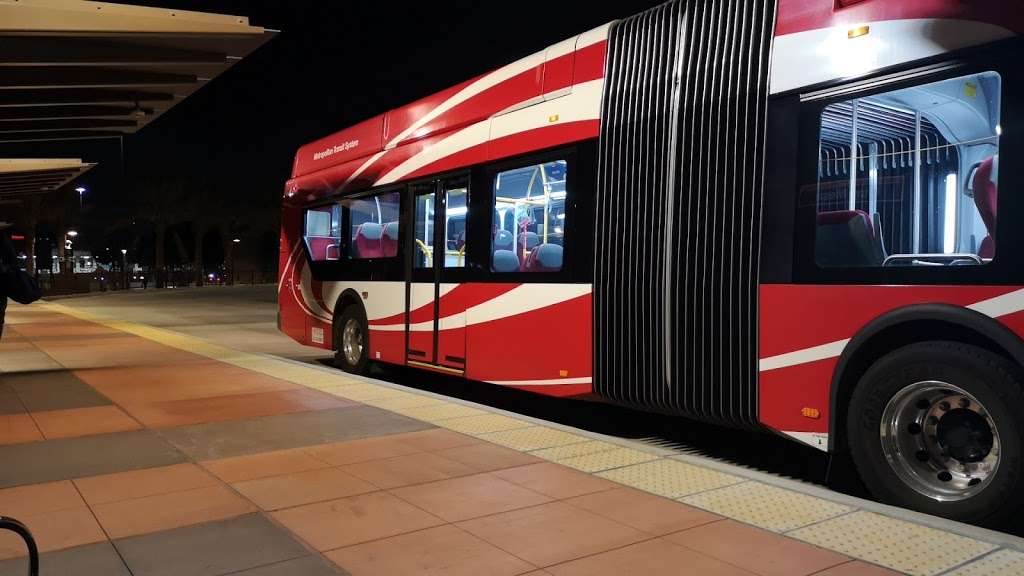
<point x="128" y="448"/>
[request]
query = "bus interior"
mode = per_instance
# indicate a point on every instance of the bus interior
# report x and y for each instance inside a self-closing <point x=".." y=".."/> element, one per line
<point x="907" y="177"/>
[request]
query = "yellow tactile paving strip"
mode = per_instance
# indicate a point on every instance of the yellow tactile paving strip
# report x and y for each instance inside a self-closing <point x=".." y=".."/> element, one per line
<point x="872" y="537"/>
<point x="533" y="438"/>
<point x="1004" y="562"/>
<point x="890" y="542"/>
<point x="670" y="478"/>
<point x="608" y="459"/>
<point x="768" y="507"/>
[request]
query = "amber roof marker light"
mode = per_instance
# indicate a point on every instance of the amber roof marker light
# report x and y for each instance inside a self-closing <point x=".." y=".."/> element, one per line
<point x="858" y="32"/>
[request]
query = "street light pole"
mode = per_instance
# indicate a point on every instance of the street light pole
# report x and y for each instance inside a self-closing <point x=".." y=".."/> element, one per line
<point x="124" y="268"/>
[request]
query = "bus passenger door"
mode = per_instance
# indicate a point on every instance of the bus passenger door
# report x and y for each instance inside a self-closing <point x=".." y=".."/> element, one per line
<point x="436" y="320"/>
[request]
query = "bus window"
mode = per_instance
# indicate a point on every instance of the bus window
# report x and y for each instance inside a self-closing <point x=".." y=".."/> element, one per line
<point x="323" y="232"/>
<point x="529" y="218"/>
<point x="424" y="229"/>
<point x="455" y="209"/>
<point x="909" y="177"/>
<point x="373" y="226"/>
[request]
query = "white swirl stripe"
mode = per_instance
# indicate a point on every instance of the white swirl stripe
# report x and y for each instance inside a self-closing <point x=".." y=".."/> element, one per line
<point x="1003" y="305"/>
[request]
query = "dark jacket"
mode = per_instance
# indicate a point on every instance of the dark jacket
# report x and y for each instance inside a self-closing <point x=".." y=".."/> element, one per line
<point x="14" y="283"/>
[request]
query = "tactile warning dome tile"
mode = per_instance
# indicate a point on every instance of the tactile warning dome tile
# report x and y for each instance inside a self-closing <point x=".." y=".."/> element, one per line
<point x="405" y="400"/>
<point x="439" y="412"/>
<point x="767" y="506"/>
<point x="532" y="438"/>
<point x="608" y="459"/>
<point x="573" y="450"/>
<point x="670" y="478"/>
<point x="364" y="392"/>
<point x="1000" y="562"/>
<point x="899" y="545"/>
<point x="482" y="424"/>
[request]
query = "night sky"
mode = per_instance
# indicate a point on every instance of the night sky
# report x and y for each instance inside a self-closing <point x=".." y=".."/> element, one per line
<point x="335" y="63"/>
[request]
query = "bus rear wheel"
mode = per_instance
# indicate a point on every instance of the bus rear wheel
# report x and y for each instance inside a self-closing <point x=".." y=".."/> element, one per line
<point x="351" y="353"/>
<point x="937" y="427"/>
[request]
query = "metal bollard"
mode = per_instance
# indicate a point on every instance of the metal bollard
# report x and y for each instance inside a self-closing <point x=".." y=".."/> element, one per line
<point x="30" y="542"/>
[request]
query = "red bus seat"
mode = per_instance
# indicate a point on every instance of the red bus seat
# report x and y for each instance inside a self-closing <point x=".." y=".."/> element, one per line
<point x="847" y="238"/>
<point x="367" y="242"/>
<point x="545" y="258"/>
<point x="986" y="194"/>
<point x="389" y="240"/>
<point x="322" y="248"/>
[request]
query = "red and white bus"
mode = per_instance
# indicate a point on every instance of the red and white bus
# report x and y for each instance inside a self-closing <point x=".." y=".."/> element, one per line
<point x="776" y="217"/>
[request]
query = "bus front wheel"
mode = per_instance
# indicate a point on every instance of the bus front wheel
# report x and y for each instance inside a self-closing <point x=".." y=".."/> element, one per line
<point x="937" y="427"/>
<point x="351" y="353"/>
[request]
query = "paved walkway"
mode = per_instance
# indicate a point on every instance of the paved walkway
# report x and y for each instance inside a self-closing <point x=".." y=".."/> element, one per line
<point x="130" y="449"/>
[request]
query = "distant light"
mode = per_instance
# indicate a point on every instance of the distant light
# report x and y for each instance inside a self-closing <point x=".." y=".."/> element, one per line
<point x="999" y="130"/>
<point x="124" y="251"/>
<point x="211" y="275"/>
<point x="561" y="216"/>
<point x="72" y="233"/>
<point x="237" y="240"/>
<point x="80" y="190"/>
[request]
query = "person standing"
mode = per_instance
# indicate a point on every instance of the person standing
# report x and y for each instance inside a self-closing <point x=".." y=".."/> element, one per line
<point x="15" y="283"/>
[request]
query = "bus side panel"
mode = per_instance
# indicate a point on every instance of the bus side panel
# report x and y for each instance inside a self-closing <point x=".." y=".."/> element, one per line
<point x="384" y="304"/>
<point x="805" y="328"/>
<point x="291" y="317"/>
<point x="535" y="337"/>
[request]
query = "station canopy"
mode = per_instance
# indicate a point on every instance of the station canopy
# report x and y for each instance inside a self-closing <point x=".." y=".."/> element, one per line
<point x="24" y="177"/>
<point x="74" y="70"/>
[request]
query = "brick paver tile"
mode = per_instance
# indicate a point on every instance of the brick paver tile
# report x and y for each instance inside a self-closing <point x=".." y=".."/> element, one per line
<point x="484" y="456"/>
<point x="141" y="483"/>
<point x="756" y="550"/>
<point x="436" y="439"/>
<point x="552" y="533"/>
<point x="240" y="468"/>
<point x="302" y="488"/>
<point x="233" y="407"/>
<point x="173" y="510"/>
<point x="32" y="499"/>
<point x="350" y="452"/>
<point x="441" y="551"/>
<point x="643" y="511"/>
<point x="18" y="428"/>
<point x="409" y="469"/>
<point x="651" y="558"/>
<point x="857" y="568"/>
<point x="84" y="422"/>
<point x="470" y="497"/>
<point x="54" y="531"/>
<point x="554" y="480"/>
<point x="353" y="520"/>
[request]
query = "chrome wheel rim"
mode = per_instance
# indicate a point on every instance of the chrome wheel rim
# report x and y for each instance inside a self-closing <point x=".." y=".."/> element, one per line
<point x="352" y="341"/>
<point x="940" y="440"/>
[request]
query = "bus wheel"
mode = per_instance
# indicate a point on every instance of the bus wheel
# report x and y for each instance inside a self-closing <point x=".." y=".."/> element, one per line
<point x="351" y="354"/>
<point x="937" y="427"/>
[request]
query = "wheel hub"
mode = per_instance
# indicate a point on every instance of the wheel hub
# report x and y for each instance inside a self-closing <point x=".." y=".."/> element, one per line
<point x="965" y="435"/>
<point x="940" y="440"/>
<point x="352" y="341"/>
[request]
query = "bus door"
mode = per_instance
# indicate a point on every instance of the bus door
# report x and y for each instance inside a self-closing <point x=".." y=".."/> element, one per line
<point x="436" y="320"/>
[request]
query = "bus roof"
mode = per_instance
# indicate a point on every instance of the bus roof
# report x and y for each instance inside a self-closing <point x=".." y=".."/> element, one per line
<point x="460" y="125"/>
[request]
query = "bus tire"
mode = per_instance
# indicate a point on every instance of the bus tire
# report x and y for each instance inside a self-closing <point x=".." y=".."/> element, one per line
<point x="351" y="352"/>
<point x="937" y="427"/>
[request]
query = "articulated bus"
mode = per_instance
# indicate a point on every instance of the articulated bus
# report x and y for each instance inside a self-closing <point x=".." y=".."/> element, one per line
<point x="779" y="216"/>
